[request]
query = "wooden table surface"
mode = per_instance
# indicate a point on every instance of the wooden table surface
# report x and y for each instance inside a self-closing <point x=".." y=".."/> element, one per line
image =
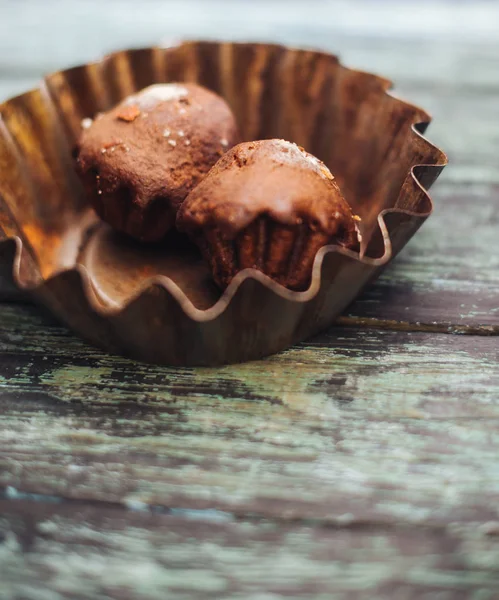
<point x="362" y="463"/>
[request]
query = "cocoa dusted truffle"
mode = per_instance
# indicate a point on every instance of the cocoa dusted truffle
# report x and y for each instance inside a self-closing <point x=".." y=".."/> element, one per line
<point x="140" y="160"/>
<point x="267" y="205"/>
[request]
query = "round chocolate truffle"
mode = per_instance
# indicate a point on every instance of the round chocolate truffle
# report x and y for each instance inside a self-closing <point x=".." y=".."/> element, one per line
<point x="140" y="160"/>
<point x="267" y="205"/>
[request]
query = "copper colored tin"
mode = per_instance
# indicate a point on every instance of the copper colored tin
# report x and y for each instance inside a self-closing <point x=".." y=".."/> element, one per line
<point x="158" y="304"/>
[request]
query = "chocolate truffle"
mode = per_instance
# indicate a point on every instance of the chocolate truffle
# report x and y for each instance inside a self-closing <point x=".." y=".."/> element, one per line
<point x="267" y="205"/>
<point x="140" y="160"/>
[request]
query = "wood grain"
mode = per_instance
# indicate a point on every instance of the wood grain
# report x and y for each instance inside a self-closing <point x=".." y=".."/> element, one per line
<point x="55" y="551"/>
<point x="375" y="425"/>
<point x="447" y="278"/>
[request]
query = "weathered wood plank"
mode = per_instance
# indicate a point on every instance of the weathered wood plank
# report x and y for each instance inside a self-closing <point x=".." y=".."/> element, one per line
<point x="55" y="551"/>
<point x="368" y="426"/>
<point x="447" y="278"/>
<point x="426" y="31"/>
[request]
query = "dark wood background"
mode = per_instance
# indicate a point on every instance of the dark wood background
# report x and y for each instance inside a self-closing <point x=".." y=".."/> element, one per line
<point x="360" y="464"/>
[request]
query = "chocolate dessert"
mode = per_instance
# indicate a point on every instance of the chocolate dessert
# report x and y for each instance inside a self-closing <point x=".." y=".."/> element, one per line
<point x="267" y="205"/>
<point x="140" y="160"/>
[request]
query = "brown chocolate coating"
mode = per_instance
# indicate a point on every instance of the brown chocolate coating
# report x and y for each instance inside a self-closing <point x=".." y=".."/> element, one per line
<point x="140" y="160"/>
<point x="267" y="205"/>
